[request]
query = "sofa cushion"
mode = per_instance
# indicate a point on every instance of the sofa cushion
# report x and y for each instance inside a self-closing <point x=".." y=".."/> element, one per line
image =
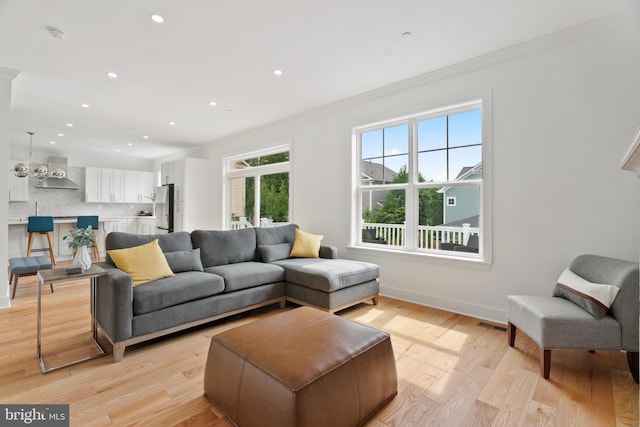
<point x="327" y="275"/>
<point x="182" y="287"/>
<point x="225" y="247"/>
<point x="276" y="235"/>
<point x="180" y="261"/>
<point x="247" y="274"/>
<point x="269" y="253"/>
<point x="143" y="263"/>
<point x="170" y="242"/>
<point x="306" y="245"/>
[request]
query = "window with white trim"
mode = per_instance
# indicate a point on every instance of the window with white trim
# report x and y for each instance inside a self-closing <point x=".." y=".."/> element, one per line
<point x="419" y="182"/>
<point x="257" y="188"/>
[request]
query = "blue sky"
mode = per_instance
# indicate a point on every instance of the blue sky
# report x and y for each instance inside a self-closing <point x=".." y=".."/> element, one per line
<point x="464" y="129"/>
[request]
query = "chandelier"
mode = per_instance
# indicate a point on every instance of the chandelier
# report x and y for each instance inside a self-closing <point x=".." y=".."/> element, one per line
<point x="21" y="170"/>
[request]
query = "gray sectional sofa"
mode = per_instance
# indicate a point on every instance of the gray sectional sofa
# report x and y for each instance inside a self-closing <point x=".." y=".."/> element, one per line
<point x="219" y="274"/>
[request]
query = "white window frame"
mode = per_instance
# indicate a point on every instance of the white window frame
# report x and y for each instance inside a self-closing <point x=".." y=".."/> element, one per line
<point x="452" y="199"/>
<point x="483" y="100"/>
<point x="254" y="172"/>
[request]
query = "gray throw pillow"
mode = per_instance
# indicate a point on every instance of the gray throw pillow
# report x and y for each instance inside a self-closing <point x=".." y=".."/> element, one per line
<point x="270" y="253"/>
<point x="181" y="261"/>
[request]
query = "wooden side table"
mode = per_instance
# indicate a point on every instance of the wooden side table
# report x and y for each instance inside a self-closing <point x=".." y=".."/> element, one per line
<point x="60" y="275"/>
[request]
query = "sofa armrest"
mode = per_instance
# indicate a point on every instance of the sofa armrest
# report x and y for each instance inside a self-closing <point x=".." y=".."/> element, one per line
<point x="114" y="303"/>
<point x="328" y="252"/>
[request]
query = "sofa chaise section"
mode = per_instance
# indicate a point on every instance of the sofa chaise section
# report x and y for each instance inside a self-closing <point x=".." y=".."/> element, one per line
<point x="326" y="282"/>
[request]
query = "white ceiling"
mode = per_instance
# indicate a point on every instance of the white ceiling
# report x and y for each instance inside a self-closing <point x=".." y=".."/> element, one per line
<point x="226" y="51"/>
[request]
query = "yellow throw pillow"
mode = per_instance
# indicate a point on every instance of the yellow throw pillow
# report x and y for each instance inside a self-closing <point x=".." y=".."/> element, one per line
<point x="306" y="245"/>
<point x="143" y="263"/>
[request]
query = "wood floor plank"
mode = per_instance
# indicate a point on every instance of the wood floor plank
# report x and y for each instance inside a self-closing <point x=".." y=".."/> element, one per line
<point x="451" y="371"/>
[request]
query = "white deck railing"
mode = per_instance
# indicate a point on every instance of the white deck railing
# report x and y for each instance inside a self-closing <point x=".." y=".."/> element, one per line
<point x="429" y="236"/>
<point x="242" y="222"/>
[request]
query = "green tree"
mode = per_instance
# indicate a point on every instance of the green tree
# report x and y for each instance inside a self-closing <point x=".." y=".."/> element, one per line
<point x="393" y="209"/>
<point x="274" y="190"/>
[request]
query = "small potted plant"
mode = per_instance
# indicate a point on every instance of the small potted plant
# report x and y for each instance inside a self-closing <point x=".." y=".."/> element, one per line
<point x="79" y="239"/>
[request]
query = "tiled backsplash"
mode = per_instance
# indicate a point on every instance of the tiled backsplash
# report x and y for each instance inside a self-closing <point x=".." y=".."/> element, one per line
<point x="58" y="202"/>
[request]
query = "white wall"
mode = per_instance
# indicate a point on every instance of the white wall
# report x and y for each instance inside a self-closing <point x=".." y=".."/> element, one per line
<point x="6" y="76"/>
<point x="564" y="110"/>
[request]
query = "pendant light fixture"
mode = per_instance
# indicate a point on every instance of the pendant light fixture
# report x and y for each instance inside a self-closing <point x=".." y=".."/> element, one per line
<point x="21" y="170"/>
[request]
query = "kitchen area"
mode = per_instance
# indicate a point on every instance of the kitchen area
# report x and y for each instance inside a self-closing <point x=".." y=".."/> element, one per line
<point x="120" y="198"/>
<point x="123" y="200"/>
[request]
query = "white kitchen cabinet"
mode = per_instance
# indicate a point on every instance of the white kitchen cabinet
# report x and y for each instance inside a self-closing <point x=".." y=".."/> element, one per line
<point x="178" y="217"/>
<point x="125" y="225"/>
<point x="112" y="185"/>
<point x="146" y="225"/>
<point x="167" y="172"/>
<point x="62" y="249"/>
<point x="18" y="187"/>
<point x="189" y="177"/>
<point x="93" y="185"/>
<point x="137" y="186"/>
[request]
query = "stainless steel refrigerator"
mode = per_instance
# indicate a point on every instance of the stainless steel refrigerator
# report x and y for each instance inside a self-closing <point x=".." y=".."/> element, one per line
<point x="164" y="208"/>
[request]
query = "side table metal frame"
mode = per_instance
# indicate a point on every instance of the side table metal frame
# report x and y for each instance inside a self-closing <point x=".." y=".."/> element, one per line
<point x="93" y="273"/>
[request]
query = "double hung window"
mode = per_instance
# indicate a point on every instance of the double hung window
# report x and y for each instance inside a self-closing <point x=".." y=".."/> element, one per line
<point x="419" y="182"/>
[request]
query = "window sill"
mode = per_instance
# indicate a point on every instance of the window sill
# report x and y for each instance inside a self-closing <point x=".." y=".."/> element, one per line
<point x="432" y="258"/>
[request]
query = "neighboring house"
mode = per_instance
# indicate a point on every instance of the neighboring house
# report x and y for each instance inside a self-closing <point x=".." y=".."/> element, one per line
<point x="461" y="204"/>
<point x="374" y="173"/>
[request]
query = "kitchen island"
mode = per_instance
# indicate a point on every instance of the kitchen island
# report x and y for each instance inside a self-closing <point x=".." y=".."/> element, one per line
<point x="17" y="233"/>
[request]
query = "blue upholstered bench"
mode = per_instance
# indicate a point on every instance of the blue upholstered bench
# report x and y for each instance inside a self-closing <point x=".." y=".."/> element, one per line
<point x="27" y="266"/>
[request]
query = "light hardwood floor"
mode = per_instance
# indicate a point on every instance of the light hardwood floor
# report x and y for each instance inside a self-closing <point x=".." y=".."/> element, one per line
<point x="451" y="370"/>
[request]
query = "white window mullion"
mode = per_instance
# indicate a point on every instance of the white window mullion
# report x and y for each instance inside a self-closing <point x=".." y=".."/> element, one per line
<point x="411" y="197"/>
<point x="256" y="202"/>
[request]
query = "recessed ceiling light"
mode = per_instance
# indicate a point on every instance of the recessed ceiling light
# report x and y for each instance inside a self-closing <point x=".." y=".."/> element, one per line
<point x="145" y="136"/>
<point x="112" y="75"/>
<point x="117" y="150"/>
<point x="277" y="72"/>
<point x="156" y="18"/>
<point x="172" y="123"/>
<point x="213" y="103"/>
<point x="406" y="34"/>
<point x="61" y="134"/>
<point x="70" y="125"/>
<point x="84" y="105"/>
<point x="56" y="33"/>
<point x="52" y="142"/>
<point x="130" y="144"/>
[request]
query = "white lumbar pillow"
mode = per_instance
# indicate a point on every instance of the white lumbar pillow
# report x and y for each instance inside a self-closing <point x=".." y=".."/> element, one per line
<point x="595" y="298"/>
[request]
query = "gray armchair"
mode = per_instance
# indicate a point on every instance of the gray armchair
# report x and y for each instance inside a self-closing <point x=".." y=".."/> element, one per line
<point x="554" y="322"/>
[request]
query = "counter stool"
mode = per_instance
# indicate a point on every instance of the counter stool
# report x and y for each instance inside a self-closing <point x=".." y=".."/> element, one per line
<point x="41" y="225"/>
<point x="84" y="222"/>
<point x="28" y="266"/>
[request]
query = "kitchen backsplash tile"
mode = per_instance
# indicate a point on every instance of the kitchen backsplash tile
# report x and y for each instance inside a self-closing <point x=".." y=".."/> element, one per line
<point x="58" y="202"/>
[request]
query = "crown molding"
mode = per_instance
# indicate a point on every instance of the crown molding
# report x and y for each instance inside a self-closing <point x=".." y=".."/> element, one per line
<point x="8" y="73"/>
<point x="631" y="160"/>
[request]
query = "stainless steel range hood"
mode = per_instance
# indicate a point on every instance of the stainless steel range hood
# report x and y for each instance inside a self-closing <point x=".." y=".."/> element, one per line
<point x="59" y="182"/>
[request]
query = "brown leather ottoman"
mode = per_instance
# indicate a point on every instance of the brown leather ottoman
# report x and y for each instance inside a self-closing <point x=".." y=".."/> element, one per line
<point x="303" y="367"/>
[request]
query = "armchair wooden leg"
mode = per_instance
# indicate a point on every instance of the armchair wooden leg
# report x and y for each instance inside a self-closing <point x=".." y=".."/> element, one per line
<point x="511" y="334"/>
<point x="545" y="359"/>
<point x="632" y="360"/>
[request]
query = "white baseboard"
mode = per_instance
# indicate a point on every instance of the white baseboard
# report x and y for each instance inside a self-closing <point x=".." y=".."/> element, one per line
<point x="461" y="307"/>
